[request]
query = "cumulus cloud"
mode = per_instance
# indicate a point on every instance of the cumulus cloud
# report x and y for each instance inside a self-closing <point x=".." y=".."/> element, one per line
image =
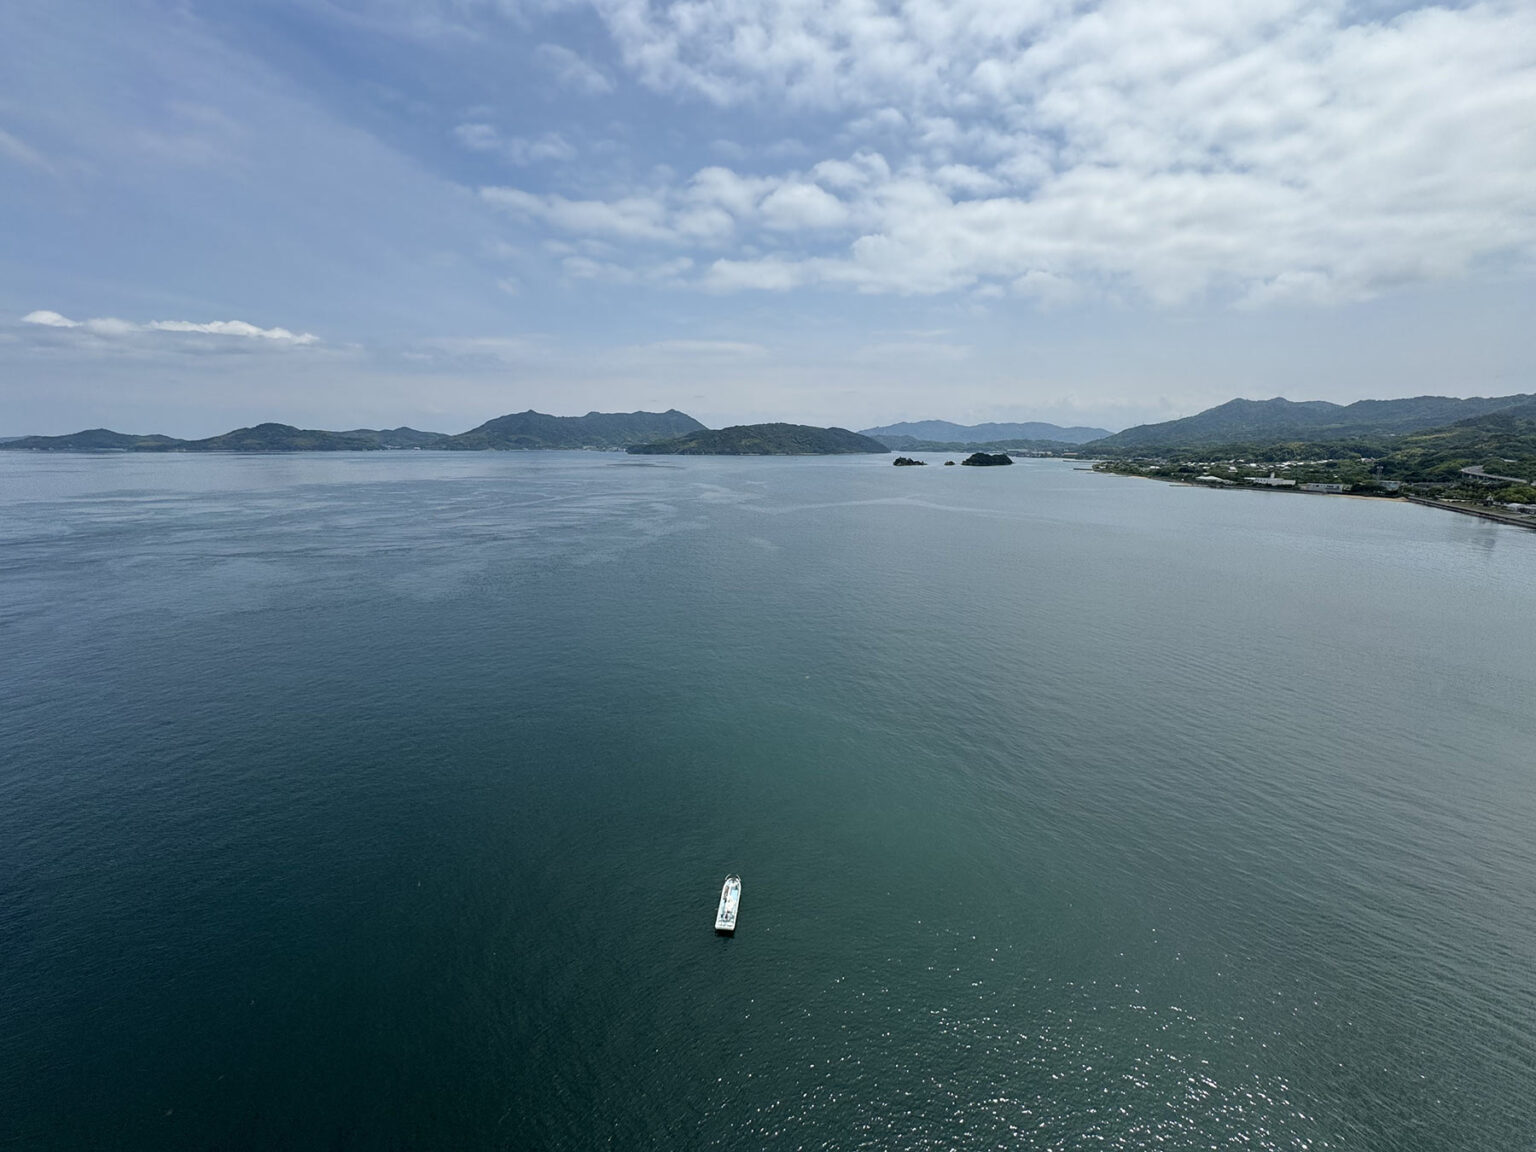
<point x="49" y="319"/>
<point x="1261" y="152"/>
<point x="791" y="207"/>
<point x="111" y="326"/>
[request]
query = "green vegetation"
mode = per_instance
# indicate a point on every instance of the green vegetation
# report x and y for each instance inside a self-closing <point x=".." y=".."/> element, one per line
<point x="1270" y="422"/>
<point x="594" y="430"/>
<point x="261" y="438"/>
<point x="1429" y="462"/>
<point x="764" y="440"/>
<point x="278" y="438"/>
<point x="521" y="430"/>
<point x="398" y="437"/>
<point x="93" y="439"/>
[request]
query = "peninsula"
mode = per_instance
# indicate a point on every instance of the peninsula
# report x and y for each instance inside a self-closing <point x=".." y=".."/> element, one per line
<point x="1476" y="455"/>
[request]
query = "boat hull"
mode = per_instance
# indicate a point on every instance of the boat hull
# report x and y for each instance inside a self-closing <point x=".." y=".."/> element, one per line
<point x="730" y="902"/>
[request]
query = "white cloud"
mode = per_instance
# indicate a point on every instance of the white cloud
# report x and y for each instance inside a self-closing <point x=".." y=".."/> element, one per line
<point x="791" y="207"/>
<point x="963" y="178"/>
<point x="1257" y="152"/>
<point x="629" y="218"/>
<point x="234" y="328"/>
<point x="572" y="72"/>
<point x="49" y="319"/>
<point x="519" y="150"/>
<point x="664" y="273"/>
<point x="771" y="274"/>
<point x="112" y="327"/>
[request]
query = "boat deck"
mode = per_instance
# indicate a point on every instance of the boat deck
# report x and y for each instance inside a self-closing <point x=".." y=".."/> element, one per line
<point x="730" y="899"/>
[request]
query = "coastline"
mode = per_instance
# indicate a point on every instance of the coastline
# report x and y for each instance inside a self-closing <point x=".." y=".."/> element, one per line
<point x="1511" y="519"/>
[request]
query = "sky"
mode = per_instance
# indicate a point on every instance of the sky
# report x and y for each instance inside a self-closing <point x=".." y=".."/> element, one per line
<point x="344" y="213"/>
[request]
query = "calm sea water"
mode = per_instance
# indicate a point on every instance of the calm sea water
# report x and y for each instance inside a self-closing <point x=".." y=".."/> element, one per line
<point x="382" y="801"/>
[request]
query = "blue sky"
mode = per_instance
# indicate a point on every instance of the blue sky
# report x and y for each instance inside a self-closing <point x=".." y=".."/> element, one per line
<point x="374" y="212"/>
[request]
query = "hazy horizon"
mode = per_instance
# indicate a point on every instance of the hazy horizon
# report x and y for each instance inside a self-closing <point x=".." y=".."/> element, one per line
<point x="368" y="212"/>
<point x="343" y="427"/>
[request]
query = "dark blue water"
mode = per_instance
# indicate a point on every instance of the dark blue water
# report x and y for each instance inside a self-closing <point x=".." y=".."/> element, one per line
<point x="382" y="801"/>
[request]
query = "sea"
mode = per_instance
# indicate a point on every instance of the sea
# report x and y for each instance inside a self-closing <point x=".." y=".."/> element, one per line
<point x="383" y="801"/>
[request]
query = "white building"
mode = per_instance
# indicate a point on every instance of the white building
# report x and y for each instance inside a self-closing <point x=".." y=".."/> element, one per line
<point x="1270" y="481"/>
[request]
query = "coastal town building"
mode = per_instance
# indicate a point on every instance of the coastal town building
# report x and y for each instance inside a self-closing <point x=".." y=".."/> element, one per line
<point x="1334" y="488"/>
<point x="1271" y="481"/>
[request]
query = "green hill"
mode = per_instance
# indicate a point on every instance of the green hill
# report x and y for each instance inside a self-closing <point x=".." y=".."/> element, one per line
<point x="1502" y="443"/>
<point x="594" y="430"/>
<point x="401" y="437"/>
<point x="278" y="438"/>
<point x="764" y="440"/>
<point x="520" y="430"/>
<point x="1258" y="421"/>
<point x="260" y="438"/>
<point x="92" y="440"/>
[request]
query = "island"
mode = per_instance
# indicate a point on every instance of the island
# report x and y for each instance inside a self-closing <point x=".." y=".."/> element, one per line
<point x="987" y="459"/>
<point x="611" y="430"/>
<point x="908" y="462"/>
<point x="764" y="440"/>
<point x="258" y="438"/>
<point x="518" y="431"/>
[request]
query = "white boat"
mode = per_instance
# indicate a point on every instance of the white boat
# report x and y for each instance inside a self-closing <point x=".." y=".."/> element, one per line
<point x="730" y="897"/>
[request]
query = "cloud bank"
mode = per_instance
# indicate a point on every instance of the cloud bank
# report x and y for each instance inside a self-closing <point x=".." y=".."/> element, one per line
<point x="1254" y="152"/>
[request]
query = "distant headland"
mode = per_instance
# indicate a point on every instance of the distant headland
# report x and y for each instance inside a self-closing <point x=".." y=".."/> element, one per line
<point x="520" y="430"/>
<point x="653" y="433"/>
<point x="764" y="440"/>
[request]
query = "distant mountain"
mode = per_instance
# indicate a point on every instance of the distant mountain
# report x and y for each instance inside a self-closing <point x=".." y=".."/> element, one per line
<point x="97" y="439"/>
<point x="277" y="438"/>
<point x="521" y="430"/>
<point x="1503" y="442"/>
<point x="764" y="440"/>
<point x="942" y="431"/>
<point x="594" y="430"/>
<point x="913" y="444"/>
<point x="261" y="438"/>
<point x="401" y="437"/>
<point x="1257" y="421"/>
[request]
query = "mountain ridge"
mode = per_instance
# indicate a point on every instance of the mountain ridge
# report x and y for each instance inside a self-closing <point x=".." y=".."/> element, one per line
<point x="944" y="431"/>
<point x="1279" y="419"/>
<point x="764" y="440"/>
<point x="519" y="430"/>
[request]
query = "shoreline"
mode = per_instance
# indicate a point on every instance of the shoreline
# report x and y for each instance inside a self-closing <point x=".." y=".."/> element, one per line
<point x="1511" y="519"/>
